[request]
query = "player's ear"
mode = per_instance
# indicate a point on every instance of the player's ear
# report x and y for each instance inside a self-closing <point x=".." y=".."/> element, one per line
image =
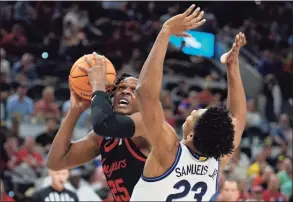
<point x="190" y="136"/>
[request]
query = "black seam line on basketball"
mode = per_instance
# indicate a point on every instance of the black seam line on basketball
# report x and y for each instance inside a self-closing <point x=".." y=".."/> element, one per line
<point x="76" y="65"/>
<point x="86" y="75"/>
<point x="80" y="89"/>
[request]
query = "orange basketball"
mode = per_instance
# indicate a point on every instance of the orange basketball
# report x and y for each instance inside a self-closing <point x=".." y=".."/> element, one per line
<point x="79" y="79"/>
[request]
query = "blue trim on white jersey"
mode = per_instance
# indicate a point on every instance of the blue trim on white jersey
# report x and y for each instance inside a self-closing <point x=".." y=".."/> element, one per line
<point x="168" y="172"/>
<point x="196" y="155"/>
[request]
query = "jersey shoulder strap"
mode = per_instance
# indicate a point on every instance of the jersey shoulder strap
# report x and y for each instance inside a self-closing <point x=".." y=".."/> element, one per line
<point x="134" y="150"/>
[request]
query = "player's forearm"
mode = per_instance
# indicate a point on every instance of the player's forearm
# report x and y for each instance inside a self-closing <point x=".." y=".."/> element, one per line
<point x="62" y="142"/>
<point x="150" y="78"/>
<point x="236" y="101"/>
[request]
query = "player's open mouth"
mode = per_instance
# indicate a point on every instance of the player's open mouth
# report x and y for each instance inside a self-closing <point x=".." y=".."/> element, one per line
<point x="123" y="102"/>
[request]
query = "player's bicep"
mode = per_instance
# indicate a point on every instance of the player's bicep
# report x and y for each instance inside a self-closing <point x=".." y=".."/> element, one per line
<point x="238" y="128"/>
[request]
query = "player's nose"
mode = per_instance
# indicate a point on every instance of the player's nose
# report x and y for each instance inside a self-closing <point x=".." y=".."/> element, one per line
<point x="126" y="91"/>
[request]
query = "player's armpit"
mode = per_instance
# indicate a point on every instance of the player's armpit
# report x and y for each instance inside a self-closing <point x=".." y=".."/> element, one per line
<point x="238" y="128"/>
<point x="157" y="131"/>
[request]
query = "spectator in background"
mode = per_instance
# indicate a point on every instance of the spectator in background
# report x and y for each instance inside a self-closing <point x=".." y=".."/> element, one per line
<point x="229" y="191"/>
<point x="273" y="96"/>
<point x="4" y="63"/>
<point x="270" y="64"/>
<point x="28" y="155"/>
<point x="47" y="106"/>
<point x="24" y="12"/>
<point x="82" y="188"/>
<point x="260" y="163"/>
<point x="73" y="35"/>
<point x="10" y="149"/>
<point x="57" y="191"/>
<point x="172" y="10"/>
<point x="253" y="118"/>
<point x="272" y="193"/>
<point x="169" y="116"/>
<point x="4" y="91"/>
<point x="83" y="119"/>
<point x="26" y="67"/>
<point x="282" y="133"/>
<point x="238" y="165"/>
<point x="19" y="104"/>
<point x="3" y="195"/>
<point x="216" y="100"/>
<point x="166" y="98"/>
<point x="256" y="193"/>
<point x="205" y="98"/>
<point x="2" y="111"/>
<point x="187" y="105"/>
<point x="16" y="37"/>
<point x="180" y="92"/>
<point x="46" y="138"/>
<point x="285" y="177"/>
<point x="263" y="178"/>
<point x="243" y="189"/>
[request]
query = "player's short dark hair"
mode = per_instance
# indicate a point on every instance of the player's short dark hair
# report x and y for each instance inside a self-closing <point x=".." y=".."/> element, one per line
<point x="214" y="133"/>
<point x="118" y="81"/>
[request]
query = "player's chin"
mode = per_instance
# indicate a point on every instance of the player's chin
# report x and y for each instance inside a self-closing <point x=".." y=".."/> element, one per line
<point x="123" y="110"/>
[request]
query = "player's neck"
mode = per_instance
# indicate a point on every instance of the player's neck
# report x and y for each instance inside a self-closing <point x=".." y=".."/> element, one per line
<point x="190" y="145"/>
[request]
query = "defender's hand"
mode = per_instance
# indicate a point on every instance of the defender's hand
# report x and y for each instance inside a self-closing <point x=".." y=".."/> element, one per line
<point x="97" y="73"/>
<point x="232" y="55"/>
<point x="77" y="103"/>
<point x="178" y="24"/>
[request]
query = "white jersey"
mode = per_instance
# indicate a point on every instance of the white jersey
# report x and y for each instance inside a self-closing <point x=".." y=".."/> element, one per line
<point x="190" y="178"/>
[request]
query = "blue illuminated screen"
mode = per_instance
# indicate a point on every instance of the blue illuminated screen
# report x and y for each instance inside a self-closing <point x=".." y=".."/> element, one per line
<point x="200" y="44"/>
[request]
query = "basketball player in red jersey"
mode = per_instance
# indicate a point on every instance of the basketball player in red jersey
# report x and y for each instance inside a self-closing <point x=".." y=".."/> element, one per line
<point x="121" y="139"/>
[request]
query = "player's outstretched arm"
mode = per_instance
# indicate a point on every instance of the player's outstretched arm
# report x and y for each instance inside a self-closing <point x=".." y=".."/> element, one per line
<point x="151" y="75"/>
<point x="236" y="101"/>
<point x="65" y="154"/>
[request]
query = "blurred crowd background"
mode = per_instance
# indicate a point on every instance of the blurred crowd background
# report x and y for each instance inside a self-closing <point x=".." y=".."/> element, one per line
<point x="41" y="40"/>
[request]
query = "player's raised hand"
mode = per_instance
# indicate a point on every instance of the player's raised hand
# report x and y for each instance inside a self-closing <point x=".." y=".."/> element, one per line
<point x="97" y="73"/>
<point x="77" y="103"/>
<point x="232" y="55"/>
<point x="188" y="20"/>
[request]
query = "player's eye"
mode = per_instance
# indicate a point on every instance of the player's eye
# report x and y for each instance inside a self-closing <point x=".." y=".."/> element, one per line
<point x="120" y="88"/>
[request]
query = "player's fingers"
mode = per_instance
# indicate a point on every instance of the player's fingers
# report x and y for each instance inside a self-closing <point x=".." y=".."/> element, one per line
<point x="193" y="15"/>
<point x="188" y="11"/>
<point x="96" y="57"/>
<point x="86" y="70"/>
<point x="104" y="65"/>
<point x="233" y="49"/>
<point x="197" y="24"/>
<point x="198" y="18"/>
<point x="90" y="63"/>
<point x="99" y="61"/>
<point x="236" y="42"/>
<point x="104" y="62"/>
<point x="244" y="39"/>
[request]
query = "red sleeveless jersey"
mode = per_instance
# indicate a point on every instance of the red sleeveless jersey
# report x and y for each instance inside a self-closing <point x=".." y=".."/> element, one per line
<point x="123" y="165"/>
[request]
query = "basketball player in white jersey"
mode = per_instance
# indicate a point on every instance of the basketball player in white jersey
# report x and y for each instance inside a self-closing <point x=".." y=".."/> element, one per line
<point x="187" y="170"/>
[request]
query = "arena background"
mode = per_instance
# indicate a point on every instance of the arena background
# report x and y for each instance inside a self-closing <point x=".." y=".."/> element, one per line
<point x="41" y="40"/>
